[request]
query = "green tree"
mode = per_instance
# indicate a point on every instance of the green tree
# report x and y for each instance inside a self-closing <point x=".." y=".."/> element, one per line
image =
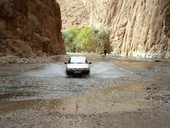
<point x="69" y="38"/>
<point x="86" y="39"/>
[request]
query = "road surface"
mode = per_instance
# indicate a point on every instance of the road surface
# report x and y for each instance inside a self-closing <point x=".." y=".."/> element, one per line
<point x="118" y="93"/>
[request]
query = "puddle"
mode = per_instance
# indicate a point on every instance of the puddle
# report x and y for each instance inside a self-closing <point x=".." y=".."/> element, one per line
<point x="98" y="70"/>
<point x="49" y="70"/>
<point x="15" y="95"/>
<point x="107" y="70"/>
<point x="50" y="81"/>
<point x="111" y="99"/>
<point x="135" y="65"/>
<point x="17" y="92"/>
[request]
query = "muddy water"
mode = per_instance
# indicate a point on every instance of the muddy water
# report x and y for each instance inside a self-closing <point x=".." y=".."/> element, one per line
<point x="110" y="99"/>
<point x="108" y="85"/>
<point x="98" y="70"/>
<point x="49" y="81"/>
<point x="116" y="94"/>
<point x="107" y="70"/>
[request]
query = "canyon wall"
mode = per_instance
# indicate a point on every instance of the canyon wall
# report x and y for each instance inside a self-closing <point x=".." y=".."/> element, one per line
<point x="30" y="28"/>
<point x="74" y="12"/>
<point x="138" y="27"/>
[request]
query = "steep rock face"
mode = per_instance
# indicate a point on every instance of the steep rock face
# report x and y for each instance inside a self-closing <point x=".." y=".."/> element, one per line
<point x="143" y="29"/>
<point x="30" y="28"/>
<point x="139" y="27"/>
<point x="74" y="12"/>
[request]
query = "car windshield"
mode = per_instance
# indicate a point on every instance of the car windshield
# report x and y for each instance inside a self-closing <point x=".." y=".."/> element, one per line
<point x="78" y="60"/>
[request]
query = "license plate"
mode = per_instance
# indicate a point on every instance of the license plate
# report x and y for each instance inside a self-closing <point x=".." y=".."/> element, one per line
<point x="77" y="71"/>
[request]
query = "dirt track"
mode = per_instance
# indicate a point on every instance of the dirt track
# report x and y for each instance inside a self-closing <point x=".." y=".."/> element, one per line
<point x="117" y="94"/>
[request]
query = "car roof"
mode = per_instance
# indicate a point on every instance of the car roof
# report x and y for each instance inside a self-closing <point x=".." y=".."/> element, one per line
<point x="78" y="58"/>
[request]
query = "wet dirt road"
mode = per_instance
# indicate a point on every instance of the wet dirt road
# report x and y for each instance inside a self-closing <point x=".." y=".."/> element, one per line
<point x="117" y="93"/>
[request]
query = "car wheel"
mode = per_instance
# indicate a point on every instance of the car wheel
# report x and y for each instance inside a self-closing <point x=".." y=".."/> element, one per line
<point x="67" y="72"/>
<point x="88" y="72"/>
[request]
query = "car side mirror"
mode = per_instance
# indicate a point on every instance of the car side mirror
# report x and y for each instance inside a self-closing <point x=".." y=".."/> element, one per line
<point x="65" y="62"/>
<point x="90" y="62"/>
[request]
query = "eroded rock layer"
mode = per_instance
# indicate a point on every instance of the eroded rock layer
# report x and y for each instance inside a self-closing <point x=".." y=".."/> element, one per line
<point x="30" y="28"/>
<point x="141" y="28"/>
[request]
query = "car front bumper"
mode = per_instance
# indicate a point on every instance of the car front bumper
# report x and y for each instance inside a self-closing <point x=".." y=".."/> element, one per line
<point x="77" y="71"/>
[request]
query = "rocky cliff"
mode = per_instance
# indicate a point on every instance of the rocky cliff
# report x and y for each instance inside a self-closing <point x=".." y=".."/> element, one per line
<point x="139" y="27"/>
<point x="30" y="28"/>
<point x="74" y="12"/>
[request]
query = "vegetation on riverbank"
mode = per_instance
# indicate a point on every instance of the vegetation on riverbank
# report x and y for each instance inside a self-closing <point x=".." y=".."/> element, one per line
<point x="86" y="39"/>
